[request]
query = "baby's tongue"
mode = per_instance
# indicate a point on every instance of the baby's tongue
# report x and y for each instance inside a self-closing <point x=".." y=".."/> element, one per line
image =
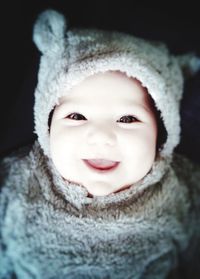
<point x="102" y="163"/>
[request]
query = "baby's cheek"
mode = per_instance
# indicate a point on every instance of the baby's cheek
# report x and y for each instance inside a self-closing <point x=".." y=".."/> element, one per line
<point x="142" y="147"/>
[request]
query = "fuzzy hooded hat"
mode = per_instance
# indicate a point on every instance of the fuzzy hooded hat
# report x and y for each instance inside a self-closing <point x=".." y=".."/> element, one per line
<point x="70" y="56"/>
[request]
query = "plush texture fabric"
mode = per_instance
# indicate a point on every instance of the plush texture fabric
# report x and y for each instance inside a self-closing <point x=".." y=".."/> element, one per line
<point x="149" y="234"/>
<point x="51" y="229"/>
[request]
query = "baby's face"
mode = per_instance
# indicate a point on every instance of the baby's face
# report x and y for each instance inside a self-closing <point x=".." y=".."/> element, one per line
<point x="107" y="116"/>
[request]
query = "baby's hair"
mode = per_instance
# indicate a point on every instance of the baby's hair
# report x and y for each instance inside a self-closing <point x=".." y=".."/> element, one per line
<point x="162" y="133"/>
<point x="50" y="119"/>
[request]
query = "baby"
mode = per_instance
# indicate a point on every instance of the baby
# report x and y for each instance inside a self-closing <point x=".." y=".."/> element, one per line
<point x="107" y="127"/>
<point x="101" y="193"/>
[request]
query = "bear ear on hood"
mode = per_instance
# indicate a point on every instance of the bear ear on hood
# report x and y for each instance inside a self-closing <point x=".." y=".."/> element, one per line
<point x="49" y="31"/>
<point x="189" y="64"/>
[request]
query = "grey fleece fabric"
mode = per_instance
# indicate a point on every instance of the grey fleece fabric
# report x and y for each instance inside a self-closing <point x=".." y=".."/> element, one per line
<point x="52" y="229"/>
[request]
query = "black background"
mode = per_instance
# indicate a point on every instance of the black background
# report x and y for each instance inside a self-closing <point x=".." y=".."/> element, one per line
<point x="176" y="25"/>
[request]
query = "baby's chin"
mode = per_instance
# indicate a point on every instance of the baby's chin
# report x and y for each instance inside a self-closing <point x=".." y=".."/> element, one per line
<point x="99" y="189"/>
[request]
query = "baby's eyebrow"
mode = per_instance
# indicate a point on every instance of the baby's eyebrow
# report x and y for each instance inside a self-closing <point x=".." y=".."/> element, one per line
<point x="138" y="106"/>
<point x="128" y="105"/>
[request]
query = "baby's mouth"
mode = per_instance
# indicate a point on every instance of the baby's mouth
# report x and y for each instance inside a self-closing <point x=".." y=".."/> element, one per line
<point x="101" y="164"/>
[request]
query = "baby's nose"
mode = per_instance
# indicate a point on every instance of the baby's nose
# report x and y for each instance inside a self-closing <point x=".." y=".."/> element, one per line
<point x="101" y="135"/>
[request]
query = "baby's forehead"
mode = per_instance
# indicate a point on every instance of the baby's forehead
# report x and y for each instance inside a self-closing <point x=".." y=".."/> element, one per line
<point x="112" y="83"/>
<point x="111" y="87"/>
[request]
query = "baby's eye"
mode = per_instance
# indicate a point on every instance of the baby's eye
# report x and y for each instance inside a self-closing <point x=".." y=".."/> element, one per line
<point x="124" y="119"/>
<point x="76" y="116"/>
<point x="128" y="119"/>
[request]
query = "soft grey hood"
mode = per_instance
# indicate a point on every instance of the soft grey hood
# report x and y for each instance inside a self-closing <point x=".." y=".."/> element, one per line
<point x="70" y="56"/>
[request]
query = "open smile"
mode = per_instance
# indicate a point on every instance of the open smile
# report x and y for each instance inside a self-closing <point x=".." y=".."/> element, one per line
<point x="101" y="165"/>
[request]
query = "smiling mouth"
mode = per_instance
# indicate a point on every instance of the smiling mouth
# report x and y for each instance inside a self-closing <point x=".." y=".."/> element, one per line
<point x="101" y="164"/>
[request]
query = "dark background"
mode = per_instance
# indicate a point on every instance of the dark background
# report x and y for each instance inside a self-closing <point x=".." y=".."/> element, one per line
<point x="176" y="25"/>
